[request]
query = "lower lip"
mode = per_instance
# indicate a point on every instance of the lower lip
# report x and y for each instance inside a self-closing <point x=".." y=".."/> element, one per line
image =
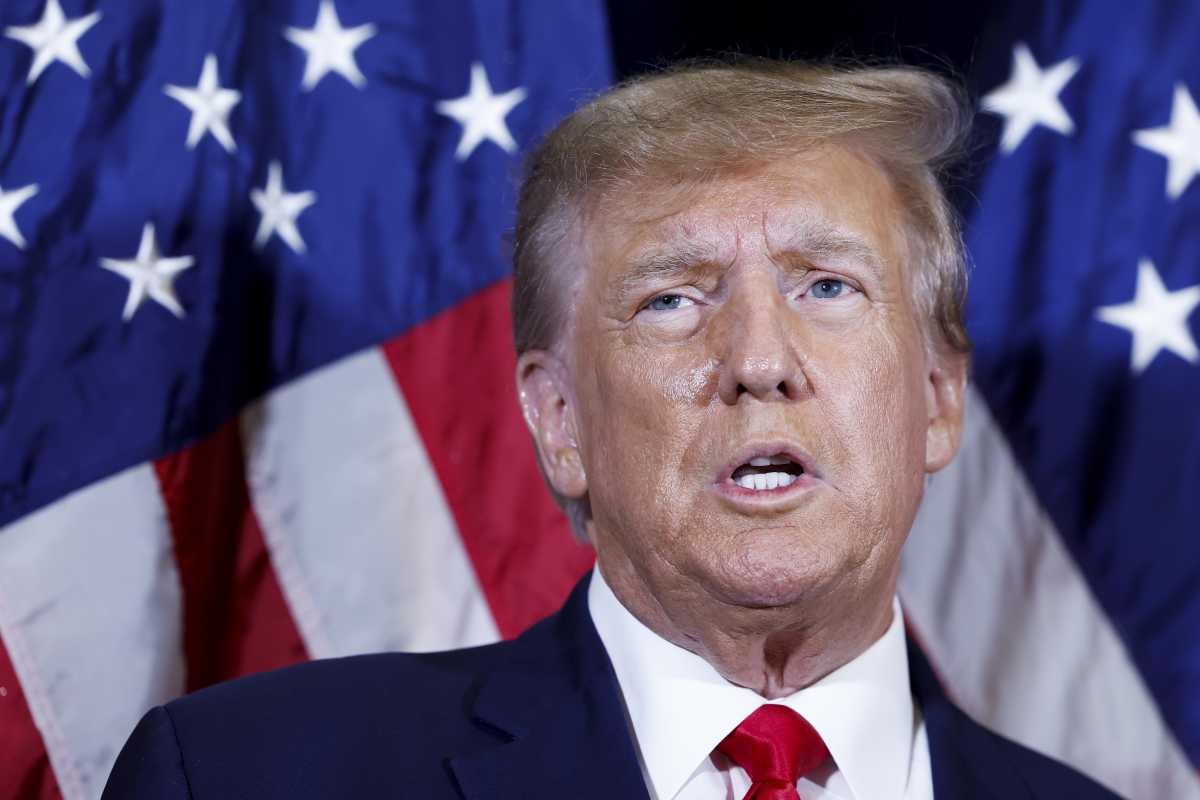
<point x="741" y="494"/>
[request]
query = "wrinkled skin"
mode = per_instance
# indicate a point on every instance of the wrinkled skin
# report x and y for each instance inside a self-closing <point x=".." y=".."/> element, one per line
<point x="773" y="306"/>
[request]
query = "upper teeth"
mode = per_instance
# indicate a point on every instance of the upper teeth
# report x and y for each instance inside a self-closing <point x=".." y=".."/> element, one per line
<point x="765" y="480"/>
<point x="769" y="461"/>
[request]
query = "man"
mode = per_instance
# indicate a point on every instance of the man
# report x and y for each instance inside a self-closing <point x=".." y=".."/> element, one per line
<point x="738" y="317"/>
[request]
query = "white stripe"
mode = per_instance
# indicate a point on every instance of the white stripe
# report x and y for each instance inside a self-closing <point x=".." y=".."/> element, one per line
<point x="365" y="548"/>
<point x="90" y="611"/>
<point x="1016" y="632"/>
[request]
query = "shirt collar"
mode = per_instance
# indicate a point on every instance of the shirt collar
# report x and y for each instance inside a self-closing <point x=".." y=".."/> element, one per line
<point x="680" y="707"/>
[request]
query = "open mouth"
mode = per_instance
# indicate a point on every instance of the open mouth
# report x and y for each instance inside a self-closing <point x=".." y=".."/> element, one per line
<point x="764" y="473"/>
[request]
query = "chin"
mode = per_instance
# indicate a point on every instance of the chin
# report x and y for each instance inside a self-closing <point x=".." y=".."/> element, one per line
<point x="765" y="577"/>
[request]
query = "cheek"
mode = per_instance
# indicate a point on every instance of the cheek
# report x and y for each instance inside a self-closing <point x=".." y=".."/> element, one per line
<point x="691" y="384"/>
<point x="653" y="391"/>
<point x="881" y="413"/>
<point x="637" y="466"/>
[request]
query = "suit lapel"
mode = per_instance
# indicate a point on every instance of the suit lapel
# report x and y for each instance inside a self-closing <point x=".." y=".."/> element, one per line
<point x="966" y="758"/>
<point x="555" y="700"/>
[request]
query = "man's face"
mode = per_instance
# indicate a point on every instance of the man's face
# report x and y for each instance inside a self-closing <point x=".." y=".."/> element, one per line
<point x="752" y="401"/>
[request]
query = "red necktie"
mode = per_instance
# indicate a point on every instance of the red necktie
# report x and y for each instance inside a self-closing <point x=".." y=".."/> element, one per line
<point x="776" y="746"/>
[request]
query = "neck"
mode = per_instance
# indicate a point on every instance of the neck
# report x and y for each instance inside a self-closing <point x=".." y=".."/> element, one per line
<point x="774" y="651"/>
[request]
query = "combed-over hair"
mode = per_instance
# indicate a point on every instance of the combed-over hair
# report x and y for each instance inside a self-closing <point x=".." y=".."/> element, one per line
<point x="699" y="121"/>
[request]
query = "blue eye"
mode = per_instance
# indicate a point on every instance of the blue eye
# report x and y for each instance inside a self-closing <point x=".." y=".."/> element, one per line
<point x="668" y="302"/>
<point x="828" y="288"/>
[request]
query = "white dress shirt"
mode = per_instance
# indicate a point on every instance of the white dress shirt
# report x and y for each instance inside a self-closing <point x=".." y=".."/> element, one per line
<point x="679" y="708"/>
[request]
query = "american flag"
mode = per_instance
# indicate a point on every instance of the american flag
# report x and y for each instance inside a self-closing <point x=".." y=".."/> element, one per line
<point x="1087" y="381"/>
<point x="256" y="398"/>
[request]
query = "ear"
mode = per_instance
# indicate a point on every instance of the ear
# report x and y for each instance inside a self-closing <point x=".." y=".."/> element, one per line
<point x="944" y="398"/>
<point x="543" y="389"/>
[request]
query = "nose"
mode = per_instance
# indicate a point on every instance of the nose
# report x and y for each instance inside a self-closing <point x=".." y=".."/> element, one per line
<point x="759" y="348"/>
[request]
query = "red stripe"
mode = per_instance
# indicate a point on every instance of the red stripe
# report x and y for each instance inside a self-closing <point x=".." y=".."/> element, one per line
<point x="456" y="372"/>
<point x="235" y="618"/>
<point x="25" y="772"/>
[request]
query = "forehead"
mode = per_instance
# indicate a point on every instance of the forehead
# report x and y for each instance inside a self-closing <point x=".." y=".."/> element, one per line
<point x="829" y="196"/>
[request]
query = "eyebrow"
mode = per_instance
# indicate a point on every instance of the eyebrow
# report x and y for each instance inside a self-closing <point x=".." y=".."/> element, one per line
<point x="812" y="240"/>
<point x="665" y="265"/>
<point x="817" y="240"/>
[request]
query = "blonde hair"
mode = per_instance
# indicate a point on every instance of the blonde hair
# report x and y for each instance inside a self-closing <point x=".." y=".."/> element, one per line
<point x="698" y="121"/>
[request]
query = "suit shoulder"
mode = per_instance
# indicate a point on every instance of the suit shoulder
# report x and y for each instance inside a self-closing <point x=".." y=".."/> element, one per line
<point x="336" y="684"/>
<point x="337" y="727"/>
<point x="1046" y="777"/>
<point x="969" y="759"/>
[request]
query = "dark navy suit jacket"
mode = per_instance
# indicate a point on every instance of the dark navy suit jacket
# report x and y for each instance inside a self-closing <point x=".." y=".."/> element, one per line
<point x="538" y="717"/>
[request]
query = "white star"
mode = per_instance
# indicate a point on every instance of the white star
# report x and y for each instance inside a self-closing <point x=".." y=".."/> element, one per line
<point x="1156" y="317"/>
<point x="279" y="209"/>
<point x="1179" y="142"/>
<point x="149" y="275"/>
<point x="54" y="38"/>
<point x="210" y="106"/>
<point x="330" y="47"/>
<point x="1030" y="97"/>
<point x="482" y="113"/>
<point x="10" y="201"/>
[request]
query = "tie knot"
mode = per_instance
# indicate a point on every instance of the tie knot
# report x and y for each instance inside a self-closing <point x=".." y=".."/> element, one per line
<point x="775" y="745"/>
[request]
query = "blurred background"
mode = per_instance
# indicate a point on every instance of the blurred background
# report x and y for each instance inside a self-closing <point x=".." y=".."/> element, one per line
<point x="931" y="33"/>
<point x="256" y="398"/>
